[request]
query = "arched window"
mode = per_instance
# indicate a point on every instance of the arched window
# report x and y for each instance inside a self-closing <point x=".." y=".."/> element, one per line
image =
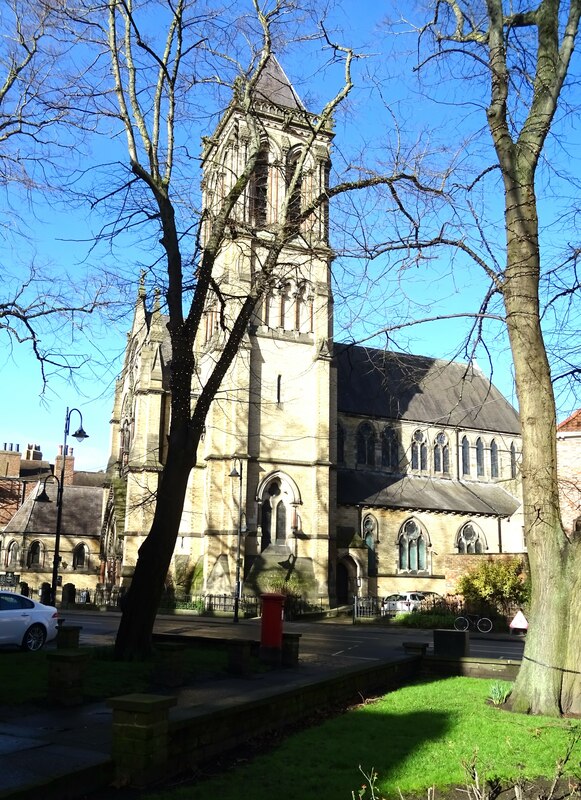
<point x="258" y="189"/>
<point x="287" y="307"/>
<point x="81" y="557"/>
<point x="273" y="516"/>
<point x="369" y="536"/>
<point x="441" y="454"/>
<point x="12" y="554"/>
<point x="35" y="554"/>
<point x="479" y="457"/>
<point x="512" y="460"/>
<point x="389" y="449"/>
<point x="413" y="548"/>
<point x="419" y="451"/>
<point x="465" y="456"/>
<point x="340" y="444"/>
<point x="471" y="539"/>
<point x="366" y="445"/>
<point x="295" y="194"/>
<point x="493" y="459"/>
<point x="304" y="308"/>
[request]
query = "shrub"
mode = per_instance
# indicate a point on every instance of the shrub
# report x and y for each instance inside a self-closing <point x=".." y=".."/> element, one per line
<point x="499" y="692"/>
<point x="500" y="584"/>
<point x="421" y="619"/>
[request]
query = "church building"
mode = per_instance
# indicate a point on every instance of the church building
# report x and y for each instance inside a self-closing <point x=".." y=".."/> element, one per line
<point x="341" y="469"/>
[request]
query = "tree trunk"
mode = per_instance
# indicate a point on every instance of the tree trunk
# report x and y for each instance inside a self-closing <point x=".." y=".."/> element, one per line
<point x="549" y="681"/>
<point x="134" y="636"/>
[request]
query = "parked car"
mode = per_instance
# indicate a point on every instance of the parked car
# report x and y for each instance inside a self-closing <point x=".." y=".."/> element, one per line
<point x="25" y="623"/>
<point x="405" y="601"/>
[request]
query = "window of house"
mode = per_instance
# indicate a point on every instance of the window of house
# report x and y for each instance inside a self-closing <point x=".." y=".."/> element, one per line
<point x="80" y="557"/>
<point x="419" y="451"/>
<point x="35" y="554"/>
<point x="493" y="459"/>
<point x="441" y="454"/>
<point x="12" y="555"/>
<point x="340" y="444"/>
<point x="465" y="456"/>
<point x="479" y="457"/>
<point x="389" y="449"/>
<point x="471" y="539"/>
<point x="369" y="535"/>
<point x="366" y="445"/>
<point x="413" y="548"/>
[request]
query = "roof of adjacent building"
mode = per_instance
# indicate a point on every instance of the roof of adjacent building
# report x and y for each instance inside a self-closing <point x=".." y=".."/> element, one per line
<point x="572" y="423"/>
<point x="399" y="386"/>
<point x="81" y="515"/>
<point x="376" y="489"/>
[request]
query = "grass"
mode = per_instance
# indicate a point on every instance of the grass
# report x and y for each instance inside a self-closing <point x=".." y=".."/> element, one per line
<point x="24" y="676"/>
<point x="414" y="738"/>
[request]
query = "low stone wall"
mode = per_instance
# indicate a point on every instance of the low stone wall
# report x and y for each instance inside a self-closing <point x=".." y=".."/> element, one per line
<point x="194" y="735"/>
<point x="470" y="667"/>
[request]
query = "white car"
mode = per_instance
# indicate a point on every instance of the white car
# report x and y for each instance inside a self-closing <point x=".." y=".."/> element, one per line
<point x="25" y="623"/>
<point x="397" y="603"/>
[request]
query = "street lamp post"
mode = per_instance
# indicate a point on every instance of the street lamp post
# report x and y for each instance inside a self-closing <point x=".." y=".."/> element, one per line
<point x="235" y="474"/>
<point x="79" y="435"/>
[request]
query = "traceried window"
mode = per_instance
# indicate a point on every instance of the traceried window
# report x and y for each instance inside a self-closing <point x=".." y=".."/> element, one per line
<point x="258" y="189"/>
<point x="294" y="199"/>
<point x="81" y="557"/>
<point x="493" y="459"/>
<point x="389" y="449"/>
<point x="369" y="536"/>
<point x="471" y="539"/>
<point x="340" y="444"/>
<point x="441" y="454"/>
<point x="413" y="548"/>
<point x="512" y="460"/>
<point x="419" y="451"/>
<point x="479" y="457"/>
<point x="465" y="456"/>
<point x="366" y="445"/>
<point x="273" y="516"/>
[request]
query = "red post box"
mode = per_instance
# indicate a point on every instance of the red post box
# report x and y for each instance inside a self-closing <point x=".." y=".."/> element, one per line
<point x="272" y="617"/>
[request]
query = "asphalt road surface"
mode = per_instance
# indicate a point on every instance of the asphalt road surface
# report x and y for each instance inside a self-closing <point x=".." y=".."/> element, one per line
<point x="357" y="643"/>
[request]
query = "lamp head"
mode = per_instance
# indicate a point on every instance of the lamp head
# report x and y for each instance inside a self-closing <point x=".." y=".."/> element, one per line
<point x="80" y="434"/>
<point x="42" y="497"/>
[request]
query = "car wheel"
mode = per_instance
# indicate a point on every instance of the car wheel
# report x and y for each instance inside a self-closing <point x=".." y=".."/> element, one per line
<point x="34" y="638"/>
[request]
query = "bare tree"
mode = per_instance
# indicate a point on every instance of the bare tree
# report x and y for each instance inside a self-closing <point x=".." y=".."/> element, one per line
<point x="522" y="58"/>
<point x="35" y="301"/>
<point x="155" y="86"/>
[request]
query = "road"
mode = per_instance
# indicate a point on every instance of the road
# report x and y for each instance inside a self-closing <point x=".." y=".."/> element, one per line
<point x="329" y="639"/>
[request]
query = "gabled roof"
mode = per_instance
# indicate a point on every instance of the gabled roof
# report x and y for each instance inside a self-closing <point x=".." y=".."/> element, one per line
<point x="82" y="513"/>
<point x="399" y="386"/>
<point x="274" y="87"/>
<point x="572" y="423"/>
<point x="419" y="492"/>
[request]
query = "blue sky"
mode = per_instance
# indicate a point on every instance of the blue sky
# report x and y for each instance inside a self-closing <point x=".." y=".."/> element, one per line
<point x="58" y="236"/>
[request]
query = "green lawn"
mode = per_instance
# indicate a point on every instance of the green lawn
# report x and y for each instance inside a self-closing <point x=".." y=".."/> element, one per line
<point x="414" y="738"/>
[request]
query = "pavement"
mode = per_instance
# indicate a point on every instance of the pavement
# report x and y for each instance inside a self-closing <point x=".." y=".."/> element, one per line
<point x="59" y="752"/>
<point x="63" y="752"/>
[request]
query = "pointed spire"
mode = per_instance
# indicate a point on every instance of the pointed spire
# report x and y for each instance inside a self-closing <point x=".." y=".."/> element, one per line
<point x="274" y="86"/>
<point x="141" y="290"/>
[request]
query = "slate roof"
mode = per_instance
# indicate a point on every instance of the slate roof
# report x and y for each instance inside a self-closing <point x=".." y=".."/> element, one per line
<point x="82" y="512"/>
<point x="399" y="386"/>
<point x="375" y="489"/>
<point x="274" y="86"/>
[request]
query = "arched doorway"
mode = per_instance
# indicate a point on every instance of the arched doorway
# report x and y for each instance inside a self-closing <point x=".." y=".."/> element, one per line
<point x="346" y="581"/>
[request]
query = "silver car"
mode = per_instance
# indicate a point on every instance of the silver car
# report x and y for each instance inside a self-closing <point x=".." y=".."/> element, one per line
<point x="25" y="623"/>
<point x="405" y="601"/>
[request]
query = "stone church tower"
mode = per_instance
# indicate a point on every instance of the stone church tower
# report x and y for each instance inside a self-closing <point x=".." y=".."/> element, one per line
<point x="262" y="484"/>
